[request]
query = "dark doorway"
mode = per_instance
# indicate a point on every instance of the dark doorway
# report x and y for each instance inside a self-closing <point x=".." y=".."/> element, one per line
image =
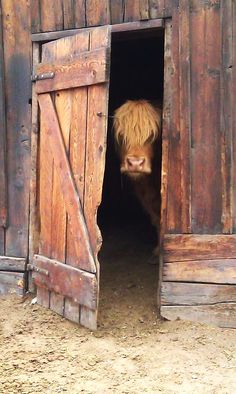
<point x="137" y="72"/>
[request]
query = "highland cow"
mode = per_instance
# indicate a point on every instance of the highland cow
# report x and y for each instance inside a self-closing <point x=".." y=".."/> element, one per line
<point x="137" y="128"/>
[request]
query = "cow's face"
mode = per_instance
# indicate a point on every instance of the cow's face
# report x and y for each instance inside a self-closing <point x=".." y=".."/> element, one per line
<point x="137" y="160"/>
<point x="136" y="128"/>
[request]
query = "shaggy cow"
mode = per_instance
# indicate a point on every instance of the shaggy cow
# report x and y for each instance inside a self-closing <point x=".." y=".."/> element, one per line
<point x="137" y="127"/>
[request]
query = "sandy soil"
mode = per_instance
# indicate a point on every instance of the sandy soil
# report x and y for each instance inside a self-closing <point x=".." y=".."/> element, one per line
<point x="132" y="351"/>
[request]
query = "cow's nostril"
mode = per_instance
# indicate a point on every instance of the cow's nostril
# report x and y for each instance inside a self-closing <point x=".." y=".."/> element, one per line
<point x="135" y="161"/>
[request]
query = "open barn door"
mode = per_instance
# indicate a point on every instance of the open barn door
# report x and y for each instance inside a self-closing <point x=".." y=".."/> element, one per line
<point x="72" y="84"/>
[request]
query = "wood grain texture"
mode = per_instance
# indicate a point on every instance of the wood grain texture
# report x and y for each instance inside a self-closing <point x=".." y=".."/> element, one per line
<point x="12" y="264"/>
<point x="51" y="15"/>
<point x="80" y="13"/>
<point x="17" y="59"/>
<point x="88" y="69"/>
<point x="233" y="19"/>
<point x="34" y="208"/>
<point x="67" y="186"/>
<point x="65" y="122"/>
<point x="61" y="15"/>
<point x="96" y="143"/>
<point x="185" y="114"/>
<point x="174" y="198"/>
<point x="131" y="10"/>
<point x="196" y="294"/>
<point x="221" y="315"/>
<point x="171" y="6"/>
<point x="144" y="9"/>
<point x="95" y="153"/>
<point x="157" y="8"/>
<point x="77" y="151"/>
<point x="68" y="14"/>
<point x="45" y="205"/>
<point x="97" y="12"/>
<point x="227" y="116"/>
<point x="35" y="16"/>
<point x="166" y="121"/>
<point x="205" y="84"/>
<point x="62" y="103"/>
<point x="166" y="126"/>
<point x="199" y="247"/>
<point x="68" y="281"/>
<point x="205" y="271"/>
<point x="3" y="169"/>
<point x="117" y="11"/>
<point x="12" y="283"/>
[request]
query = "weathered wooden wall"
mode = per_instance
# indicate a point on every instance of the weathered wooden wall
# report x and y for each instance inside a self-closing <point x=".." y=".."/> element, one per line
<point x="15" y="59"/>
<point x="201" y="172"/>
<point x="69" y="14"/>
<point x="199" y="165"/>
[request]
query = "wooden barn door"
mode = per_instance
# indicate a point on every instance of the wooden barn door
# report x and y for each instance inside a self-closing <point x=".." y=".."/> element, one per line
<point x="72" y="87"/>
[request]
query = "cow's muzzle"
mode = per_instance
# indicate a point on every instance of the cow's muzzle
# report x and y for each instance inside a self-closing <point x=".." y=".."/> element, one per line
<point x="134" y="164"/>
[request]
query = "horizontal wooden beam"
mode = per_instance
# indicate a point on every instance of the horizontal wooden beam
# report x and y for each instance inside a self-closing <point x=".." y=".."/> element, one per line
<point x="117" y="28"/>
<point x="137" y="26"/>
<point x="17" y="264"/>
<point x="173" y="294"/>
<point x="89" y="68"/>
<point x="220" y="315"/>
<point x="206" y="271"/>
<point x="65" y="280"/>
<point x="185" y="247"/>
<point x="12" y="283"/>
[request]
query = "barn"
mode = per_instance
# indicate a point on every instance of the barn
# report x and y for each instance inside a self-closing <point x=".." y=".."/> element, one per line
<point x="64" y="67"/>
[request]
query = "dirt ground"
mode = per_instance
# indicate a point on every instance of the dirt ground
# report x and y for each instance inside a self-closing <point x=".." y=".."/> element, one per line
<point x="131" y="352"/>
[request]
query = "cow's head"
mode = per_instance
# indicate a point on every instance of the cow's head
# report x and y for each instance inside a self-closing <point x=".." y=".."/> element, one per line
<point x="137" y="126"/>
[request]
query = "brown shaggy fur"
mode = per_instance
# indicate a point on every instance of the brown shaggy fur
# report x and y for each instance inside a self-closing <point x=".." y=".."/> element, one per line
<point x="137" y="122"/>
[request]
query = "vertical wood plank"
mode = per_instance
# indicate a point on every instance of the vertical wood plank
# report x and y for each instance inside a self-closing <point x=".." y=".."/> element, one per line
<point x="131" y="10"/>
<point x="63" y="105"/>
<point x="78" y="147"/>
<point x="17" y="59"/>
<point x="3" y="169"/>
<point x="77" y="161"/>
<point x="97" y="12"/>
<point x="95" y="153"/>
<point x="144" y="9"/>
<point x="45" y="207"/>
<point x="165" y="146"/>
<point x="206" y="172"/>
<point x="227" y="115"/>
<point x="166" y="127"/>
<point x="35" y="16"/>
<point x="51" y="15"/>
<point x="80" y="13"/>
<point x="34" y="214"/>
<point x="68" y="14"/>
<point x="117" y="11"/>
<point x="3" y="181"/>
<point x="171" y="6"/>
<point x="185" y="114"/>
<point x="234" y="116"/>
<point x="174" y="205"/>
<point x="96" y="143"/>
<point x="157" y="8"/>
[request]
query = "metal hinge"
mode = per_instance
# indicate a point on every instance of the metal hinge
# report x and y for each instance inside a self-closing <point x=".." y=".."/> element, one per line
<point x="41" y="77"/>
<point x="42" y="271"/>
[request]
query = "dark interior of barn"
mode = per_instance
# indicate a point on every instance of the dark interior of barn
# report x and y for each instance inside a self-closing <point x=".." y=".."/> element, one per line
<point x="137" y="71"/>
